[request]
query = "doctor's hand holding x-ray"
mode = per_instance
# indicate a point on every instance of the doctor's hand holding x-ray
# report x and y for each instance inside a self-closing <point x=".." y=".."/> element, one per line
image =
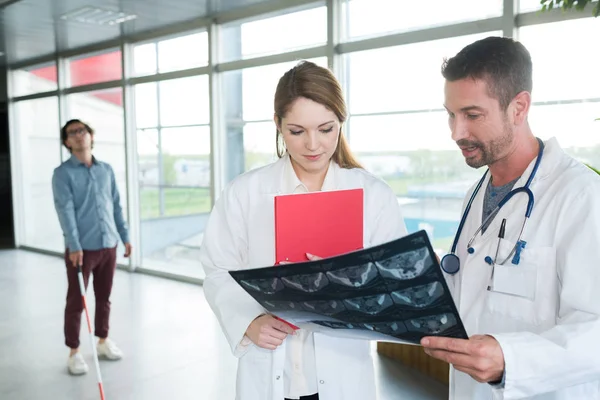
<point x="523" y="268"/>
<point x="268" y="332"/>
<point x="480" y="357"/>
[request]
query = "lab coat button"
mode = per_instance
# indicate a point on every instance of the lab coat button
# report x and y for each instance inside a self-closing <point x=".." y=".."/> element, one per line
<point x="277" y="377"/>
<point x="321" y="382"/>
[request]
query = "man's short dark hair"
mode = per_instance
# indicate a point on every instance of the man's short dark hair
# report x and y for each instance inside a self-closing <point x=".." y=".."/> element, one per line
<point x="503" y="63"/>
<point x="64" y="135"/>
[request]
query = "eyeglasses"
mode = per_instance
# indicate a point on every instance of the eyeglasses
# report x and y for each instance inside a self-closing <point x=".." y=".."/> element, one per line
<point x="76" y="132"/>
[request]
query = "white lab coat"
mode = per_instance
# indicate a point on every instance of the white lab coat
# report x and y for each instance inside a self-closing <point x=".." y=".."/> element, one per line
<point x="551" y="344"/>
<point x="240" y="235"/>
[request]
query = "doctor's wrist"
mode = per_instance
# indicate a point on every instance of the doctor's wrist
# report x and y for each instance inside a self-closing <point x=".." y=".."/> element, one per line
<point x="499" y="383"/>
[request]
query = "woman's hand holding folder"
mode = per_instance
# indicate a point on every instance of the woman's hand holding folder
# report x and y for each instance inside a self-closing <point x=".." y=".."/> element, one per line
<point x="268" y="332"/>
<point x="310" y="257"/>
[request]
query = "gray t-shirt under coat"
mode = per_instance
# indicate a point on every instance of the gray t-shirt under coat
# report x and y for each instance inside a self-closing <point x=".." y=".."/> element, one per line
<point x="493" y="197"/>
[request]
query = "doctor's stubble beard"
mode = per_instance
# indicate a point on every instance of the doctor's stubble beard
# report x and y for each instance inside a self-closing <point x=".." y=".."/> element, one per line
<point x="492" y="151"/>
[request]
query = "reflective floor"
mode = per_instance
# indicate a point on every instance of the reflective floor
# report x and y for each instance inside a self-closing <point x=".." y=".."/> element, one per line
<point x="172" y="343"/>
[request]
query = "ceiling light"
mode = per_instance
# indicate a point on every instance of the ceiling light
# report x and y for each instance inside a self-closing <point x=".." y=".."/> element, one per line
<point x="97" y="16"/>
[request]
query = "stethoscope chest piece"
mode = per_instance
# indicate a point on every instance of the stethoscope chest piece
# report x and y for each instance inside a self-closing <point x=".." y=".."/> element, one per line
<point x="450" y="263"/>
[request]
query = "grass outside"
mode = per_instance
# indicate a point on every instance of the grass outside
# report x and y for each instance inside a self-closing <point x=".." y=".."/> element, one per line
<point x="400" y="185"/>
<point x="443" y="244"/>
<point x="177" y="201"/>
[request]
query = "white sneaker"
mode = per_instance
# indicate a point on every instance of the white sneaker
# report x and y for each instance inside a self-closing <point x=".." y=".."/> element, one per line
<point x="109" y="350"/>
<point x="77" y="365"/>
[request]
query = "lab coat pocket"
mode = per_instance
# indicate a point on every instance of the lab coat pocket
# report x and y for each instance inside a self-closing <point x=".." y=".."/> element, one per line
<point x="526" y="292"/>
<point x="254" y="373"/>
<point x="515" y="280"/>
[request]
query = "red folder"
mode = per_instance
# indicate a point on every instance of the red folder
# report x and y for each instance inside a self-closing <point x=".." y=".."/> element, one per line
<point x="324" y="224"/>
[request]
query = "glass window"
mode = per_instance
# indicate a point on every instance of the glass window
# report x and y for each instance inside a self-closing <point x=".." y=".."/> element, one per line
<point x="146" y="102"/>
<point x="173" y="145"/>
<point x="148" y="173"/>
<point x="37" y="139"/>
<point x="174" y="54"/>
<point x="389" y="79"/>
<point x="529" y="5"/>
<point x="274" y="35"/>
<point x="144" y="59"/>
<point x="248" y="98"/>
<point x="36" y="79"/>
<point x="259" y="144"/>
<point x="184" y="101"/>
<point x="410" y="146"/>
<point x="183" y="52"/>
<point x="555" y="75"/>
<point x="416" y="156"/>
<point x="573" y="125"/>
<point x="103" y="111"/>
<point x="86" y="70"/>
<point x="366" y="18"/>
<point x="186" y="168"/>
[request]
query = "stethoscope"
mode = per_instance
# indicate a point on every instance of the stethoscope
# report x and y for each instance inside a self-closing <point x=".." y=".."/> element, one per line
<point x="451" y="263"/>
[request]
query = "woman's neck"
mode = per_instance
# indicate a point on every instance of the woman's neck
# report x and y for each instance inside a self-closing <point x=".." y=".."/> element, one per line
<point x="312" y="180"/>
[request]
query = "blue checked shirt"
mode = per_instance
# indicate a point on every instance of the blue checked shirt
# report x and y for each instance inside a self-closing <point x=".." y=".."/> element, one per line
<point x="88" y="205"/>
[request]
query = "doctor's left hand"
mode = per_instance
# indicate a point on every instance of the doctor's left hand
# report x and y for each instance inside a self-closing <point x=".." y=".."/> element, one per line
<point x="480" y="357"/>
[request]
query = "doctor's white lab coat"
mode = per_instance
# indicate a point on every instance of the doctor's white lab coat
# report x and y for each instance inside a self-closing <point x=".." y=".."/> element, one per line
<point x="550" y="334"/>
<point x="240" y="235"/>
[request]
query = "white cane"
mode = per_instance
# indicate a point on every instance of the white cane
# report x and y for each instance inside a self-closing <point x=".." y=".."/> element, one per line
<point x="90" y="330"/>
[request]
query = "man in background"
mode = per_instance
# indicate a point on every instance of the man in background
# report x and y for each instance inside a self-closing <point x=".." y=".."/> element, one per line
<point x="88" y="206"/>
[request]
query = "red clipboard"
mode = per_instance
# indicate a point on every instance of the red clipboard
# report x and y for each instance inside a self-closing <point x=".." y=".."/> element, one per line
<point x="324" y="224"/>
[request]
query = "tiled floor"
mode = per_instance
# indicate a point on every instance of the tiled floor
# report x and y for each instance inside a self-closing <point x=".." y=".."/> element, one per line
<point x="173" y="346"/>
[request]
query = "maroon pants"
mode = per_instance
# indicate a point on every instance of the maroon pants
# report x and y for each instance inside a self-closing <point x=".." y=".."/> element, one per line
<point x="102" y="263"/>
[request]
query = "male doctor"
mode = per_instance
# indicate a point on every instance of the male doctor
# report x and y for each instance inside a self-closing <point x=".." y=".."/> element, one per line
<point x="531" y="301"/>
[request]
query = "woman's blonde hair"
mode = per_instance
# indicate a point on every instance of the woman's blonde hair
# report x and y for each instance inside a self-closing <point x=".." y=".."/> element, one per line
<point x="318" y="84"/>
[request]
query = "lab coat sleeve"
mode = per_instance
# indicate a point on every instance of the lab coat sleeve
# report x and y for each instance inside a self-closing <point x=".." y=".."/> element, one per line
<point x="567" y="354"/>
<point x="388" y="223"/>
<point x="224" y="249"/>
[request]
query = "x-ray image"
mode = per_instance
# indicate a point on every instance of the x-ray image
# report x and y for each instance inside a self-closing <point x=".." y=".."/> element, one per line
<point x="324" y="307"/>
<point x="392" y="328"/>
<point x="370" y="304"/>
<point x="419" y="296"/>
<point x="392" y="292"/>
<point x="357" y="276"/>
<point x="338" y="325"/>
<point x="267" y="285"/>
<point x="274" y="305"/>
<point x="407" y="265"/>
<point x="431" y="325"/>
<point x="306" y="283"/>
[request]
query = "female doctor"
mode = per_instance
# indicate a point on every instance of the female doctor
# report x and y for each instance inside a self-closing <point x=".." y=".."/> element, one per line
<point x="276" y="363"/>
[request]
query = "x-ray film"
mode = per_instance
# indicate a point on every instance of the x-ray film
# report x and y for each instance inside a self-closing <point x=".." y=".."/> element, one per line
<point x="392" y="292"/>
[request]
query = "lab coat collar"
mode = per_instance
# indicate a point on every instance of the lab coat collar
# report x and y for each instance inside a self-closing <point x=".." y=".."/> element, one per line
<point x="290" y="181"/>
<point x="551" y="159"/>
